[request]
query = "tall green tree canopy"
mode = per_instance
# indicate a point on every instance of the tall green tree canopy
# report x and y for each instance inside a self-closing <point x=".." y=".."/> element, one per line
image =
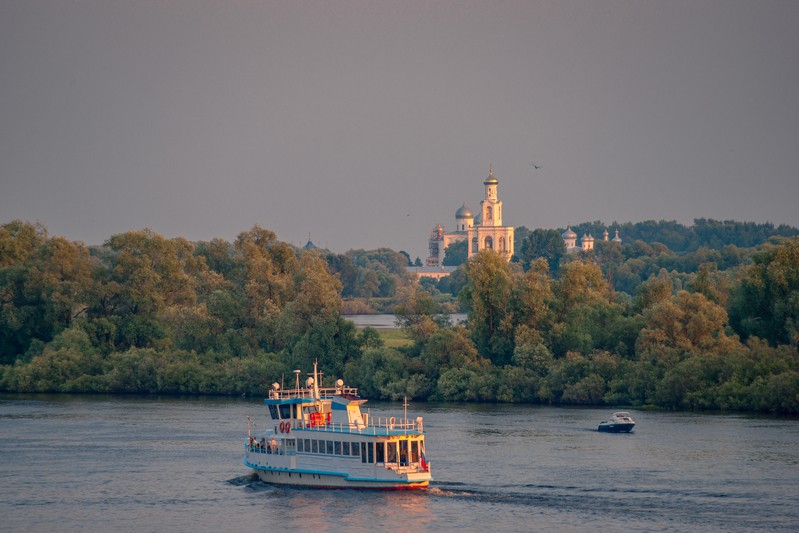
<point x="487" y="295"/>
<point x="766" y="303"/>
<point x="541" y="244"/>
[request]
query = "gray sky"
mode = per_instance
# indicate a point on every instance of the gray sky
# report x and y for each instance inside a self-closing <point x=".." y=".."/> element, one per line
<point x="366" y="123"/>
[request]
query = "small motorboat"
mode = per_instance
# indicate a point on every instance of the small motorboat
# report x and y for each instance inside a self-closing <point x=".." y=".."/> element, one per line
<point x="619" y="422"/>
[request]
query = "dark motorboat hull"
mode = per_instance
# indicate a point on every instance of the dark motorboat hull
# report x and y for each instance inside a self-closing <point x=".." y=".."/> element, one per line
<point x="616" y="428"/>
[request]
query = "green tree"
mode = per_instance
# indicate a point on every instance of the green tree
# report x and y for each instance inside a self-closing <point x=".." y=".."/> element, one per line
<point x="449" y="348"/>
<point x="531" y="351"/>
<point x="580" y="283"/>
<point x="149" y="272"/>
<point x="418" y="313"/>
<point x="711" y="282"/>
<point x="487" y="295"/>
<point x="455" y="282"/>
<point x="218" y="255"/>
<point x="456" y="253"/>
<point x="608" y="256"/>
<point x="18" y="240"/>
<point x="542" y="244"/>
<point x="269" y="268"/>
<point x="317" y="295"/>
<point x="44" y="286"/>
<point x="375" y="371"/>
<point x="766" y="303"/>
<point x="687" y="324"/>
<point x="368" y="284"/>
<point x="655" y="290"/>
<point x="533" y="296"/>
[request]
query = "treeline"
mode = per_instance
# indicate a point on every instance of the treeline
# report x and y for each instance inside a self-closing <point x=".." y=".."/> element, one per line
<point x="704" y="233"/>
<point x="370" y="273"/>
<point x="143" y="313"/>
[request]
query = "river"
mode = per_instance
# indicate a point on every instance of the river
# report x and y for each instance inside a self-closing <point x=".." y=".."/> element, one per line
<point x="125" y="463"/>
<point x="388" y="321"/>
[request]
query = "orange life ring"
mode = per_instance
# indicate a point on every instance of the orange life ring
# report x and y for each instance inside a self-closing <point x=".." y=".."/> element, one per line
<point x="285" y="427"/>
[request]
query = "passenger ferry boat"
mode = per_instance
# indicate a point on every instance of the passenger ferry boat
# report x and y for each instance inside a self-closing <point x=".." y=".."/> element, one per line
<point x="318" y="437"/>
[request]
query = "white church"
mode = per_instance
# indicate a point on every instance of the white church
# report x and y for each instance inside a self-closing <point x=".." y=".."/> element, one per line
<point x="483" y="231"/>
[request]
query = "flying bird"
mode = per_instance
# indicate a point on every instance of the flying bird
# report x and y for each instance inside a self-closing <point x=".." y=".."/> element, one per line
<point x="537" y="167"/>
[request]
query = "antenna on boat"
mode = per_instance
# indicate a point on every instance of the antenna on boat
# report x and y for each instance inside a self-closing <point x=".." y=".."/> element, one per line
<point x="297" y="379"/>
<point x="405" y="414"/>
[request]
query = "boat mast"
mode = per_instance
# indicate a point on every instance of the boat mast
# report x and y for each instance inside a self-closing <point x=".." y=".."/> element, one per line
<point x="405" y="415"/>
<point x="315" y="380"/>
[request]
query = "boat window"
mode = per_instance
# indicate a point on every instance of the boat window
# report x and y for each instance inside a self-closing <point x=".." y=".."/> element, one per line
<point x="291" y="444"/>
<point x="300" y="447"/>
<point x="285" y="411"/>
<point x="321" y="446"/>
<point x="345" y="448"/>
<point x="338" y="448"/>
<point x="273" y="411"/>
<point x="307" y="445"/>
<point x="315" y="446"/>
<point x="356" y="450"/>
<point x="391" y="452"/>
<point x="363" y="452"/>
<point x="380" y="452"/>
<point x="403" y="451"/>
<point x="414" y="451"/>
<point x="329" y="447"/>
<point x="371" y="450"/>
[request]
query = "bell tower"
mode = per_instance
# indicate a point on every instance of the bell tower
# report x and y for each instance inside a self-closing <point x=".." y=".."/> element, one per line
<point x="488" y="233"/>
<point x="491" y="207"/>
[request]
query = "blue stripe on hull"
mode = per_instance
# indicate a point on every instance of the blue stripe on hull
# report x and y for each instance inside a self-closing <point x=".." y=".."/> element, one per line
<point x="342" y="475"/>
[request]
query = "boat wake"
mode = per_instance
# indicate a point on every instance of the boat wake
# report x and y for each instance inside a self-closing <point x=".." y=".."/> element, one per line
<point x="593" y="500"/>
<point x="243" y="481"/>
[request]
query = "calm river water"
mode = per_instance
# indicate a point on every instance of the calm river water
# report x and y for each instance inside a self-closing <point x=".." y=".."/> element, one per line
<point x="388" y="321"/>
<point x="82" y="463"/>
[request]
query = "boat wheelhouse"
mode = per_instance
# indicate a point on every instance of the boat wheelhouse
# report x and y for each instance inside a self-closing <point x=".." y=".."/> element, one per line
<point x="319" y="437"/>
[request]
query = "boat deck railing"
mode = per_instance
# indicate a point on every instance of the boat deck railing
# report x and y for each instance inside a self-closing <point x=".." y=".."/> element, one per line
<point x="368" y="425"/>
<point x="325" y="393"/>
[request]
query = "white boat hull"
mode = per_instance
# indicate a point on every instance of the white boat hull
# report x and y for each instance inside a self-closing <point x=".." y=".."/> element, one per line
<point x="330" y="471"/>
<point x="326" y="481"/>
